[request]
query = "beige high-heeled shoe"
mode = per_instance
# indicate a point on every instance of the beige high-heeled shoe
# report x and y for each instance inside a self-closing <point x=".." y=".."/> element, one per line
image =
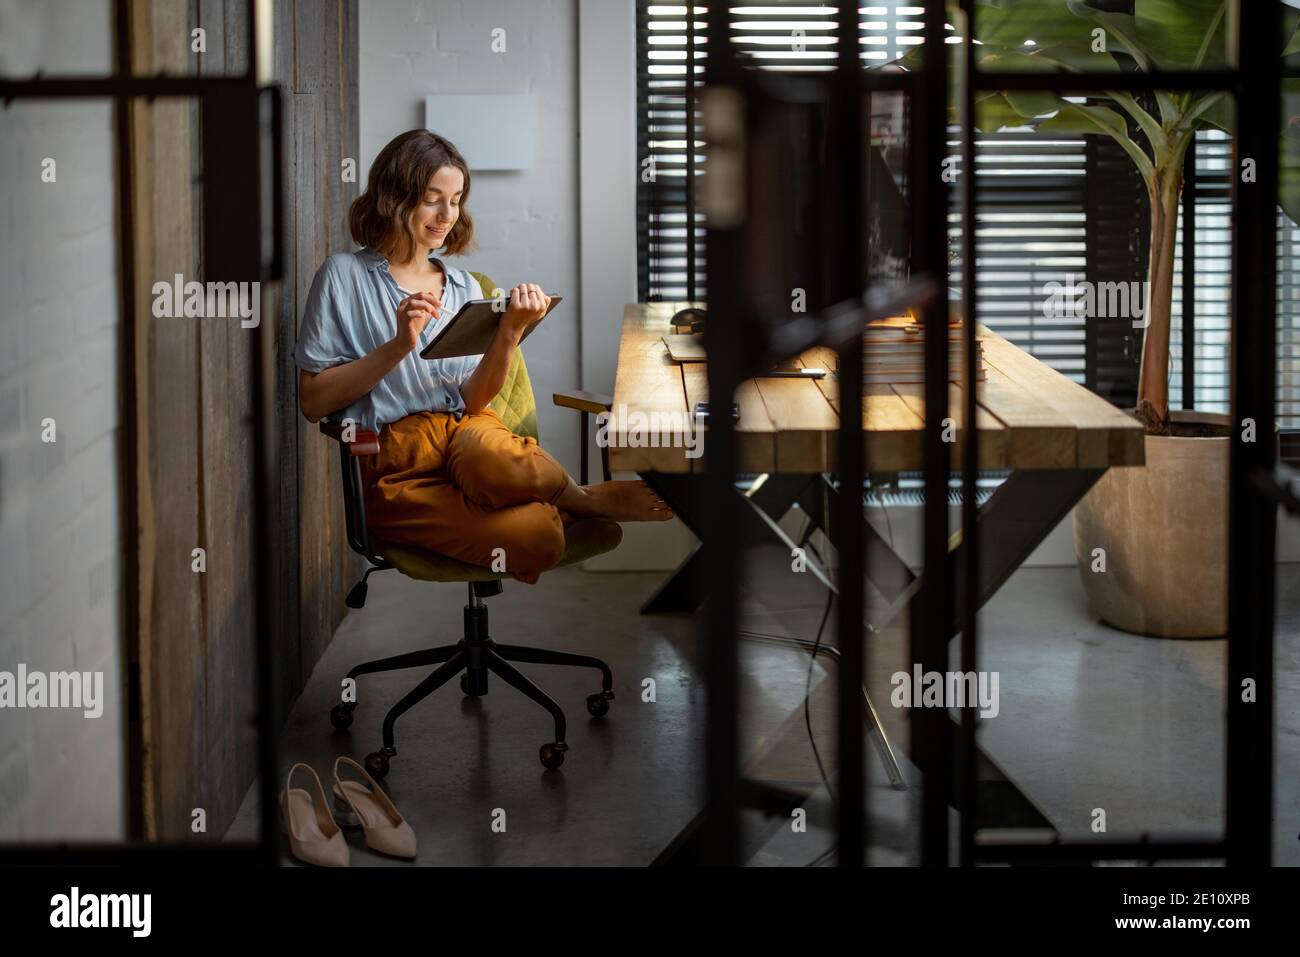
<point x="386" y="831"/>
<point x="313" y="836"/>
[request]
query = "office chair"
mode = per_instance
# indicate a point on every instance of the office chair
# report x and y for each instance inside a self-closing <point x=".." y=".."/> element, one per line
<point x="476" y="654"/>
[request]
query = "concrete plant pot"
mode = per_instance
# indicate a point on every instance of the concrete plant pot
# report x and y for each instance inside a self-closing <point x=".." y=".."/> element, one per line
<point x="1164" y="528"/>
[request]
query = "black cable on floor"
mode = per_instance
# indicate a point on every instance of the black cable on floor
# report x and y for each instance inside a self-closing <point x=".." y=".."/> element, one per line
<point x="807" y="692"/>
<point x="812" y="661"/>
<point x="804" y="542"/>
<point x="807" y="714"/>
<point x="824" y="856"/>
<point x="830" y="852"/>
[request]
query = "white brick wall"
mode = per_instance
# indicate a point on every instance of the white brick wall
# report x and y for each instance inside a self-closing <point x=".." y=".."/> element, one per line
<point x="526" y="221"/>
<point x="61" y="775"/>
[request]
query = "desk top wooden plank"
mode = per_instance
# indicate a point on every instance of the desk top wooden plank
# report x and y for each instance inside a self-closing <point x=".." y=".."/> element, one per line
<point x="755" y="432"/>
<point x="1038" y="436"/>
<point x="895" y="430"/>
<point x="1029" y="415"/>
<point x="805" y="423"/>
<point x="823" y="358"/>
<point x="994" y="436"/>
<point x="1105" y="435"/>
<point x="649" y="389"/>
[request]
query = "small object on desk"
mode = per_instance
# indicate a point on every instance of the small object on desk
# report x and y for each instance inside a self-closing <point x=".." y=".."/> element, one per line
<point x="802" y="373"/>
<point x="689" y="319"/>
<point x="702" y="411"/>
<point x="685" y="348"/>
<point x="691" y="349"/>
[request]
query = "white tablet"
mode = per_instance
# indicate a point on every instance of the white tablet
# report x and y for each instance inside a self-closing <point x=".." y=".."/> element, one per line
<point x="472" y="329"/>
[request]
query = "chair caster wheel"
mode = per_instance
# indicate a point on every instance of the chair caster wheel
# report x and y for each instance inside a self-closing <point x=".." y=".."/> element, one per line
<point x="377" y="765"/>
<point x="341" y="716"/>
<point x="552" y="755"/>
<point x="467" y="687"/>
<point x="597" y="705"/>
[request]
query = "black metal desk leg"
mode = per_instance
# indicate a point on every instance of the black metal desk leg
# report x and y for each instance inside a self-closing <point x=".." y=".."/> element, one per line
<point x="887" y="572"/>
<point x="684" y="590"/>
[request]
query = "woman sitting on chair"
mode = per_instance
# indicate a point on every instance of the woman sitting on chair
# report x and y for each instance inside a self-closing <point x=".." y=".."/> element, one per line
<point x="449" y="476"/>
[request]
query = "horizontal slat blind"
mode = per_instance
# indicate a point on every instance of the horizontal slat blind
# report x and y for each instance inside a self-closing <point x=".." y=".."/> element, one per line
<point x="1029" y="231"/>
<point x="1119" y="235"/>
<point x="1288" y="334"/>
<point x="661" y="151"/>
<point x="1212" y="273"/>
<point x="1031" y="216"/>
<point x="1213" y="284"/>
<point x="777" y="37"/>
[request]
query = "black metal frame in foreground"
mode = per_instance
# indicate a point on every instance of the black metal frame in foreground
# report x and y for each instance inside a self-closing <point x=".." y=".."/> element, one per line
<point x="1255" y="85"/>
<point x="731" y="322"/>
<point x="235" y="246"/>
<point x="737" y="323"/>
<point x="1251" y="516"/>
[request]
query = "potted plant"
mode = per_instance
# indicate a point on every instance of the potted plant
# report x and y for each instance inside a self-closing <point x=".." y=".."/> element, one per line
<point x="1162" y="527"/>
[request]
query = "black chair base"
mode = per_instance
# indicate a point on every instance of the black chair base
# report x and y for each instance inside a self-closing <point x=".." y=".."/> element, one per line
<point x="473" y="657"/>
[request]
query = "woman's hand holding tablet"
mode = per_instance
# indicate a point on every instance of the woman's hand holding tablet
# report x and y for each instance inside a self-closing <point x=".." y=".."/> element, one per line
<point x="471" y="330"/>
<point x="528" y="304"/>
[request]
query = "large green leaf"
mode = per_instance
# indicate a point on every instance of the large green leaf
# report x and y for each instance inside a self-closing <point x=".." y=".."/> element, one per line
<point x="1008" y="23"/>
<point x="1029" y="104"/>
<point x="1289" y="171"/>
<point x="1168" y="107"/>
<point x="1290" y="40"/>
<point x="1183" y="34"/>
<point x="1289" y="29"/>
<point x="1210" y="109"/>
<point x="1075" y="118"/>
<point x="1060" y="35"/>
<point x="995" y="113"/>
<point x="1080" y="57"/>
<point x="1155" y="134"/>
<point x="989" y="57"/>
<point x="1119" y="27"/>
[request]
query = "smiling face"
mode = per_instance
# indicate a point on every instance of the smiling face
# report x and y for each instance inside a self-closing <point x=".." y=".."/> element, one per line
<point x="436" y="213"/>
<point x="416" y="200"/>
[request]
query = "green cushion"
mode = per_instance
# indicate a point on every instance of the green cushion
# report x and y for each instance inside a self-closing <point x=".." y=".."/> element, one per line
<point x="518" y="410"/>
<point x="582" y="540"/>
<point x="515" y="402"/>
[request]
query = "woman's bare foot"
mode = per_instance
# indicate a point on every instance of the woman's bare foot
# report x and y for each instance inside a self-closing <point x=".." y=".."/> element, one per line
<point x="621" y="501"/>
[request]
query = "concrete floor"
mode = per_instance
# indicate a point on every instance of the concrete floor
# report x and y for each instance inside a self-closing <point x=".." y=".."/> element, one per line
<point x="1089" y="718"/>
<point x="1095" y="718"/>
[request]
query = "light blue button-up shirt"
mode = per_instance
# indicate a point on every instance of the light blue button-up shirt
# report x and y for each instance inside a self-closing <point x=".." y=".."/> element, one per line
<point x="352" y="311"/>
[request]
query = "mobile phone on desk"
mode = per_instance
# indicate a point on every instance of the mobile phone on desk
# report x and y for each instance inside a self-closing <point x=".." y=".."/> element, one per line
<point x="811" y="373"/>
<point x="702" y="411"/>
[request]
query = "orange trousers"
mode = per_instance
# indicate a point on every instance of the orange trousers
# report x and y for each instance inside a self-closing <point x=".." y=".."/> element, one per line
<point x="469" y="489"/>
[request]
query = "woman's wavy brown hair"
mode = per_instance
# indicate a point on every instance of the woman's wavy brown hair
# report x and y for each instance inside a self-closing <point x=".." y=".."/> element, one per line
<point x="398" y="179"/>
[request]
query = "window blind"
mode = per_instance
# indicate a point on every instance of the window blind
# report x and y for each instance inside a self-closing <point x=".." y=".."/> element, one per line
<point x="1212" y="273"/>
<point x="776" y="37"/>
<point x="1029" y="232"/>
<point x="1211" y="354"/>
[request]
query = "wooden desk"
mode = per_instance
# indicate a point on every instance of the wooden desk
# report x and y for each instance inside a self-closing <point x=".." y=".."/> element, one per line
<point x="1030" y="416"/>
<point x="1055" y="437"/>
